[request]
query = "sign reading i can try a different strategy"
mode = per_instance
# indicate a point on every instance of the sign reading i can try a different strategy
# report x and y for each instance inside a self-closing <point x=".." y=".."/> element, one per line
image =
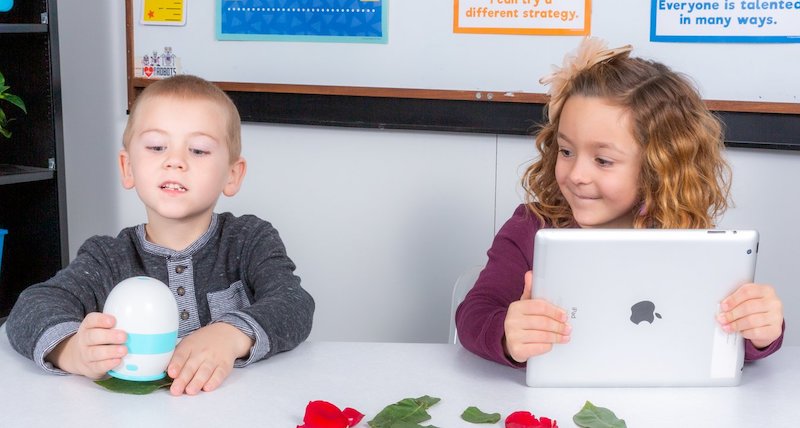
<point x="542" y="17"/>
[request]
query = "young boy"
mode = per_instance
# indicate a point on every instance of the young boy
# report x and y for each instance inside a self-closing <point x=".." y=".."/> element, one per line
<point x="238" y="299"/>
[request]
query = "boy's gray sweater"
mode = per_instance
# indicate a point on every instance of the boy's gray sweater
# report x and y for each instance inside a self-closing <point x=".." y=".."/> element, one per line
<point x="237" y="272"/>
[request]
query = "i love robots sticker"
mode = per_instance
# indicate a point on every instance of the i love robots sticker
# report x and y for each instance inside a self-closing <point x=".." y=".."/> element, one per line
<point x="157" y="64"/>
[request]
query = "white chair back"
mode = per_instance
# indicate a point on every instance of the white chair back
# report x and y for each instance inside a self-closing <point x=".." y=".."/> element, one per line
<point x="462" y="286"/>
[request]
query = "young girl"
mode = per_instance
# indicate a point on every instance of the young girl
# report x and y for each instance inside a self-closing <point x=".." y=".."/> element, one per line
<point x="628" y="144"/>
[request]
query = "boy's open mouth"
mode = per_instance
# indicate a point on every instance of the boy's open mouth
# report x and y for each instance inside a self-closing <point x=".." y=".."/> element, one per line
<point x="173" y="186"/>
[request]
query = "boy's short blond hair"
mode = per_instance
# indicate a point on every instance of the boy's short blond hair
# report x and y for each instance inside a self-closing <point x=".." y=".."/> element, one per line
<point x="188" y="87"/>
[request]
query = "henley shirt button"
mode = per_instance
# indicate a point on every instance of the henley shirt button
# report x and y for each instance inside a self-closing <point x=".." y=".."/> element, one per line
<point x="181" y="291"/>
<point x="180" y="269"/>
<point x="184" y="315"/>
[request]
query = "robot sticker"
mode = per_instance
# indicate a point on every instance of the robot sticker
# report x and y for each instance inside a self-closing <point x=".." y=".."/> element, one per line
<point x="157" y="65"/>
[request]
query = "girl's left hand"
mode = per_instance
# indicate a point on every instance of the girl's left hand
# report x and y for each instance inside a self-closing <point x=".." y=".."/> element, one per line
<point x="755" y="311"/>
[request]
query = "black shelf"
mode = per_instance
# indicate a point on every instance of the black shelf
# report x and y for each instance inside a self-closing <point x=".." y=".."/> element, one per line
<point x="23" y="28"/>
<point x="32" y="188"/>
<point x="12" y="174"/>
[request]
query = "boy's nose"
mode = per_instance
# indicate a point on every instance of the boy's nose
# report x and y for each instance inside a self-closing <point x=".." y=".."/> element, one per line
<point x="174" y="162"/>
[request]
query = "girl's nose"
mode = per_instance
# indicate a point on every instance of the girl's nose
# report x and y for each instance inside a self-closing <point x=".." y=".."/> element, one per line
<point x="580" y="172"/>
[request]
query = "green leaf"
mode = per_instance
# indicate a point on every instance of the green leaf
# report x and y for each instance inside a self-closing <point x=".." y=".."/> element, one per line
<point x="592" y="416"/>
<point x="406" y="413"/>
<point x="3" y="123"/>
<point x="13" y="99"/>
<point x="2" y="80"/>
<point x="134" y="387"/>
<point x="476" y="416"/>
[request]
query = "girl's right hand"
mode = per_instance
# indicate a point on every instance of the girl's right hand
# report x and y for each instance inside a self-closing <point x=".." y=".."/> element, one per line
<point x="532" y="326"/>
<point x="94" y="350"/>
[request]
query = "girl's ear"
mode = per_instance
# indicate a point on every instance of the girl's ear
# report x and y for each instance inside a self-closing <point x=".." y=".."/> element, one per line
<point x="125" y="170"/>
<point x="235" y="177"/>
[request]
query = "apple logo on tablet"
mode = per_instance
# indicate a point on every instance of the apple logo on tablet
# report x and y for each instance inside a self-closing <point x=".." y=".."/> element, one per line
<point x="644" y="311"/>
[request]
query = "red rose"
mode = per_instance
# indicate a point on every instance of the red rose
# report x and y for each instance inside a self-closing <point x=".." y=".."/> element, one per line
<point x="528" y="420"/>
<point x="322" y="414"/>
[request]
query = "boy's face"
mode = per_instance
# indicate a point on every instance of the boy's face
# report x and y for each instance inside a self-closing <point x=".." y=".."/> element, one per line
<point x="178" y="159"/>
<point x="598" y="163"/>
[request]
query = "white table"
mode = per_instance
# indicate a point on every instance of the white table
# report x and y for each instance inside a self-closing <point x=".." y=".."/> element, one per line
<point x="369" y="376"/>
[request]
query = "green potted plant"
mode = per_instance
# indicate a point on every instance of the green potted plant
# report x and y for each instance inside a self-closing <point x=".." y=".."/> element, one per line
<point x="11" y="98"/>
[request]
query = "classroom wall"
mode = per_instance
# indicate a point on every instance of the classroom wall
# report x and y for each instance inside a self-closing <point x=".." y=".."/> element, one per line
<point x="379" y="222"/>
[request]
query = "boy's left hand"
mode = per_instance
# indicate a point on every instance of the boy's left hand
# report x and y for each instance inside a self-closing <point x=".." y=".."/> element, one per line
<point x="204" y="358"/>
<point x="755" y="311"/>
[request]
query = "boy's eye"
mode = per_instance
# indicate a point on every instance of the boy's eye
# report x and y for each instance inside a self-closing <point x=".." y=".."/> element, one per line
<point x="156" y="148"/>
<point x="199" y="152"/>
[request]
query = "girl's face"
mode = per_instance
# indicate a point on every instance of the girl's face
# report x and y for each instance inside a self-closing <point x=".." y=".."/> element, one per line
<point x="598" y="163"/>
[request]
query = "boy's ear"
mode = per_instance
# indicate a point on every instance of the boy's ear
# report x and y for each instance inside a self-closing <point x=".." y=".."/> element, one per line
<point x="125" y="169"/>
<point x="235" y="177"/>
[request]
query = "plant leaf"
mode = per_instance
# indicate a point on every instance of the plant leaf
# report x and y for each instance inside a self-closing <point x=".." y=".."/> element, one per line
<point x="408" y="412"/>
<point x="476" y="416"/>
<point x="3" y="123"/>
<point x="134" y="387"/>
<point x="17" y="101"/>
<point x="591" y="416"/>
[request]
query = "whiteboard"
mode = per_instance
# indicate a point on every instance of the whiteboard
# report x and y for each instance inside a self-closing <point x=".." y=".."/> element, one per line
<point x="423" y="52"/>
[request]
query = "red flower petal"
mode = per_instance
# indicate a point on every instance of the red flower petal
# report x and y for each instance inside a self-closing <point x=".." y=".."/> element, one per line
<point x="521" y="419"/>
<point x="322" y="414"/>
<point x="547" y="422"/>
<point x="524" y="419"/>
<point x="353" y="416"/>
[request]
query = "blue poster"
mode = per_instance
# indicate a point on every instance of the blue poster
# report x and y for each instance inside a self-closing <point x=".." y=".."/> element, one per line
<point x="362" y="21"/>
<point x="725" y="21"/>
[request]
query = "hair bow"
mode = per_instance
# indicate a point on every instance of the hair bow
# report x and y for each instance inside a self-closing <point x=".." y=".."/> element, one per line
<point x="591" y="51"/>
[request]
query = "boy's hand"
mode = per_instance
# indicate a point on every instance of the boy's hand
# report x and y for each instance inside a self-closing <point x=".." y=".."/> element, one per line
<point x="755" y="311"/>
<point x="204" y="358"/>
<point x="94" y="350"/>
<point x="532" y="326"/>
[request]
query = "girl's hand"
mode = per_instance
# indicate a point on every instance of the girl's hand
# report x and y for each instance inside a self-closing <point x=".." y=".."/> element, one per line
<point x="532" y="326"/>
<point x="94" y="350"/>
<point x="204" y="358"/>
<point x="755" y="311"/>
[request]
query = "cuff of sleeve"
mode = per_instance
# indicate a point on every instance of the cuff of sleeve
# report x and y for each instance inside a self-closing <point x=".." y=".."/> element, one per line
<point x="494" y="341"/>
<point x="49" y="340"/>
<point x="247" y="325"/>
<point x="751" y="353"/>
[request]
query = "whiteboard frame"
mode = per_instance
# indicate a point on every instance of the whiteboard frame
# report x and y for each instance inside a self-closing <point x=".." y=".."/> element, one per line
<point x="476" y="106"/>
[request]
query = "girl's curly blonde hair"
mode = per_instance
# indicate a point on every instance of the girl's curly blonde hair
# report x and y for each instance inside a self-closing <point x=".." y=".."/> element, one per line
<point x="684" y="181"/>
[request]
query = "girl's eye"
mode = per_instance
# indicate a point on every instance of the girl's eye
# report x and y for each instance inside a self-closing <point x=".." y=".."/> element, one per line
<point x="156" y="148"/>
<point x="565" y="152"/>
<point x="604" y="162"/>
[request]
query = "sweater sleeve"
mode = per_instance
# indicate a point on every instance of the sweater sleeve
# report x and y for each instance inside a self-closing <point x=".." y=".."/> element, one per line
<point x="480" y="317"/>
<point x="48" y="312"/>
<point x="282" y="312"/>
<point x="751" y="353"/>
